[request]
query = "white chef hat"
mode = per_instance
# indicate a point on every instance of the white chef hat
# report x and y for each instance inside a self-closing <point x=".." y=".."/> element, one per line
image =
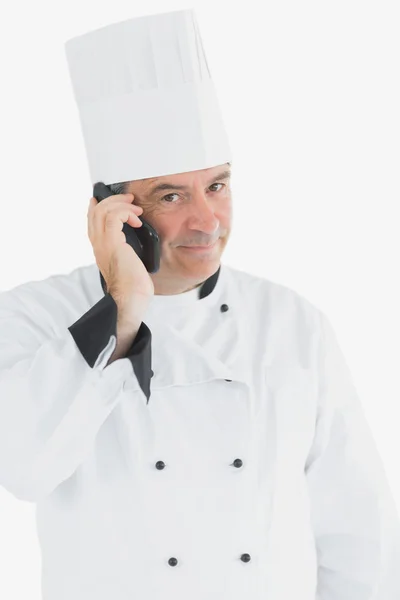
<point x="147" y="104"/>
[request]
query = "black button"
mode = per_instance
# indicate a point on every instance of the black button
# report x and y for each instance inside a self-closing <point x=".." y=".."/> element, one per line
<point x="228" y="379"/>
<point x="160" y="465"/>
<point x="173" y="561"/>
<point x="237" y="463"/>
<point x="245" y="558"/>
<point x="224" y="307"/>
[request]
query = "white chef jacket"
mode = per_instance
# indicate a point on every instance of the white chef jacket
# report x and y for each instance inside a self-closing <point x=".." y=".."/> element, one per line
<point x="225" y="457"/>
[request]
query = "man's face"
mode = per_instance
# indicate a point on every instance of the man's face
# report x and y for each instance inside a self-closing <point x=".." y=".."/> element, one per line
<point x="186" y="209"/>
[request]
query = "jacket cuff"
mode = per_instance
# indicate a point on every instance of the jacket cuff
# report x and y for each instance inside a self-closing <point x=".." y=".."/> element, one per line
<point x="92" y="333"/>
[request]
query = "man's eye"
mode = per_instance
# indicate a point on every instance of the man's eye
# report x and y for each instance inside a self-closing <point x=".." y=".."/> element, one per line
<point x="216" y="184"/>
<point x="169" y="195"/>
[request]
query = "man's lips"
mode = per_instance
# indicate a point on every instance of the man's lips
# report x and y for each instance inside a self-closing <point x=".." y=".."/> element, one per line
<point x="203" y="246"/>
<point x="200" y="247"/>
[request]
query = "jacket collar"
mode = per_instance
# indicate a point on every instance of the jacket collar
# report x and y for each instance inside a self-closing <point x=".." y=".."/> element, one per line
<point x="204" y="290"/>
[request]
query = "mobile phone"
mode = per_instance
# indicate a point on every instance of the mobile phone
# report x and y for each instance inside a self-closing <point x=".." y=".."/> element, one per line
<point x="144" y="240"/>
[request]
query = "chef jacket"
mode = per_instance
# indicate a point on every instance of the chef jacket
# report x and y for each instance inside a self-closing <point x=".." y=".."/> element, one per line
<point x="225" y="457"/>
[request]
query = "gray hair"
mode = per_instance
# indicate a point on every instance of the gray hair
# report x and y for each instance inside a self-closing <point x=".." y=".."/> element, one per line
<point x="120" y="188"/>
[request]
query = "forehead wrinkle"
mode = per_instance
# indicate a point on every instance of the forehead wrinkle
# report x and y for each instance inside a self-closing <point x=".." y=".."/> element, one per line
<point x="147" y="183"/>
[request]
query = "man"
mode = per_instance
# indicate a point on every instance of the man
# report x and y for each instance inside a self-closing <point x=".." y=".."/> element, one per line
<point x="223" y="452"/>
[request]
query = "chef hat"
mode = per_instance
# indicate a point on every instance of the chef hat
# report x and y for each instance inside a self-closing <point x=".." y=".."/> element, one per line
<point x="146" y="101"/>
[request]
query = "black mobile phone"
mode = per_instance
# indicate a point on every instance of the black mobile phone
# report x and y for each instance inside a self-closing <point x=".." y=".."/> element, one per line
<point x="144" y="240"/>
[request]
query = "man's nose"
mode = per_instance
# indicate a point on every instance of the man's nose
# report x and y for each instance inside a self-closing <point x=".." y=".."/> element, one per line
<point x="203" y="212"/>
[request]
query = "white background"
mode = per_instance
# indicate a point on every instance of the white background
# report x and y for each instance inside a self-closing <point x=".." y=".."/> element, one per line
<point x="310" y="97"/>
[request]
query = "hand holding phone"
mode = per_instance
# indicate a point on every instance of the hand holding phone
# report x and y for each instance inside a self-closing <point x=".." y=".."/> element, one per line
<point x="145" y="240"/>
<point x="123" y="270"/>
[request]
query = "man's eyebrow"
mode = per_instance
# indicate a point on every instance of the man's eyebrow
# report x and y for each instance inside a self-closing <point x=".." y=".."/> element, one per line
<point x="173" y="186"/>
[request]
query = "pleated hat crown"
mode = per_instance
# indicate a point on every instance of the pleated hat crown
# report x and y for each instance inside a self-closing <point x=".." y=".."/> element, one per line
<point x="146" y="100"/>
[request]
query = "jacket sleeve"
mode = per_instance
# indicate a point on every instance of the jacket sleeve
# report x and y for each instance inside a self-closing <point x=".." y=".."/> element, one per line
<point x="56" y="392"/>
<point x="93" y="331"/>
<point x="352" y="511"/>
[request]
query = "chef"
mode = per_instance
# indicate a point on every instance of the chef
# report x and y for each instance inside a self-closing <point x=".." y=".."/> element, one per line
<point x="226" y="456"/>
